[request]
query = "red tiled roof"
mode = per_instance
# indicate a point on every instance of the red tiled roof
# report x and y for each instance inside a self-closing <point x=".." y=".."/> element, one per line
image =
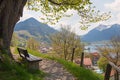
<point x="87" y="61"/>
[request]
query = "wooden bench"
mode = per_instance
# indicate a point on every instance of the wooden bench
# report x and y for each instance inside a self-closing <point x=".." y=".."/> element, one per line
<point x="33" y="61"/>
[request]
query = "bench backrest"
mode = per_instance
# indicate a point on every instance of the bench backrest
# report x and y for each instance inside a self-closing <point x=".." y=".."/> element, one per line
<point x="23" y="53"/>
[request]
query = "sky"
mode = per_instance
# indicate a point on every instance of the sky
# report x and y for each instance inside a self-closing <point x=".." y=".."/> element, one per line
<point x="102" y="5"/>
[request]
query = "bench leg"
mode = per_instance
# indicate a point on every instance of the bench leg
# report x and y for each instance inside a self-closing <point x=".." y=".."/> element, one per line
<point x="34" y="65"/>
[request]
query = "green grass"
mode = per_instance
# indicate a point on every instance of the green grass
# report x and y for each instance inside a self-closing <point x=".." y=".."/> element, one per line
<point x="79" y="72"/>
<point x="10" y="70"/>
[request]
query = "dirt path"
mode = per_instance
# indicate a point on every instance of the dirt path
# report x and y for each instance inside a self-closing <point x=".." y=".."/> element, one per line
<point x="55" y="71"/>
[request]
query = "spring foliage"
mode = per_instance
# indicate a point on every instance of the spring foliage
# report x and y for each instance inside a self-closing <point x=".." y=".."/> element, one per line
<point x="64" y="42"/>
<point x="54" y="10"/>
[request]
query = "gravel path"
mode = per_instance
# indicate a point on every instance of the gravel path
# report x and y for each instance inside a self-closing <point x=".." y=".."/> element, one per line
<point x="55" y="71"/>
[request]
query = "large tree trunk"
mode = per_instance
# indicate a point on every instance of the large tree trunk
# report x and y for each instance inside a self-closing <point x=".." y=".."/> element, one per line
<point x="10" y="13"/>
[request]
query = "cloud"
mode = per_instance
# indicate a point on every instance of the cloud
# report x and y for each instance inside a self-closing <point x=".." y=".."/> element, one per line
<point x="29" y="13"/>
<point x="77" y="29"/>
<point x="115" y="10"/>
<point x="118" y="18"/>
<point x="25" y="16"/>
<point x="71" y="12"/>
<point x="114" y="5"/>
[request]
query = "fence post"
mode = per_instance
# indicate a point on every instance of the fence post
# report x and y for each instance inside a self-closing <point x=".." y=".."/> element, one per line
<point x="116" y="76"/>
<point x="108" y="71"/>
<point x="82" y="60"/>
<point x="73" y="52"/>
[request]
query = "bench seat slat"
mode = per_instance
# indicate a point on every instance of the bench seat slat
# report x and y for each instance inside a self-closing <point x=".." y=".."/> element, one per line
<point x="33" y="58"/>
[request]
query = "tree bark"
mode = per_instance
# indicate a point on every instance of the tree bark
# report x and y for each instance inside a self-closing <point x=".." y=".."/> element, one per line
<point x="10" y="13"/>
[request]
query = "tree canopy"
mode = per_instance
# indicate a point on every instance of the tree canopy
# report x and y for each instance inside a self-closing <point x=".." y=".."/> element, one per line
<point x="55" y="9"/>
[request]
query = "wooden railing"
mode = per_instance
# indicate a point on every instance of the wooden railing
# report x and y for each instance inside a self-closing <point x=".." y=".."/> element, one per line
<point x="109" y="67"/>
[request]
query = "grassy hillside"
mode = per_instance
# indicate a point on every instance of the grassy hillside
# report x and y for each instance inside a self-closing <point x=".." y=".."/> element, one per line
<point x="10" y="70"/>
<point x="20" y="72"/>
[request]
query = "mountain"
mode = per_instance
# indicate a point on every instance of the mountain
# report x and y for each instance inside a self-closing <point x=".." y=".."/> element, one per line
<point x="101" y="33"/>
<point x="33" y="28"/>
